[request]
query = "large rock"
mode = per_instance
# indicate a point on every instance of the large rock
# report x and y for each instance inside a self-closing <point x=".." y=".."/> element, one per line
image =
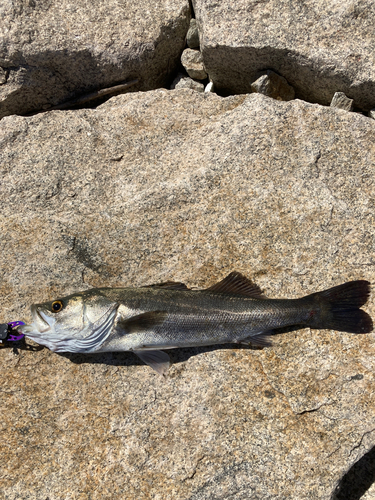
<point x="186" y="186"/>
<point x="51" y="51"/>
<point x="319" y="47"/>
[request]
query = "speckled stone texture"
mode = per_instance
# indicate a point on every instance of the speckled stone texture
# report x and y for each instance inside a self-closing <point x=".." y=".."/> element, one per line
<point x="177" y="185"/>
<point x="192" y="61"/>
<point x="192" y="37"/>
<point x="53" y="50"/>
<point x="185" y="82"/>
<point x="320" y="47"/>
<point x="273" y="85"/>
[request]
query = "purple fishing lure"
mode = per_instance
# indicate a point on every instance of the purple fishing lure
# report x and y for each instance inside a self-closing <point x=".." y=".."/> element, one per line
<point x="9" y="332"/>
<point x="12" y="337"/>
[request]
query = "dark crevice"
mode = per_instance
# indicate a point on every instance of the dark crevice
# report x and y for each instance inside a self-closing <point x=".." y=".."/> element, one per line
<point x="192" y="13"/>
<point x="309" y="411"/>
<point x="97" y="97"/>
<point x="74" y="78"/>
<point x="354" y="484"/>
<point x="243" y="65"/>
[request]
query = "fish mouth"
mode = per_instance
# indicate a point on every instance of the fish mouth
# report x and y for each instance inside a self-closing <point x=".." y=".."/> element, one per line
<point x="40" y="320"/>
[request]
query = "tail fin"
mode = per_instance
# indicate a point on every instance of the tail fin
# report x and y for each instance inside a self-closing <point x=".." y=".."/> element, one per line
<point x="340" y="308"/>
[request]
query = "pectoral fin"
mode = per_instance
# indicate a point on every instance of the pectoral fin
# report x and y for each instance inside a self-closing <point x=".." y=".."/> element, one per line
<point x="158" y="360"/>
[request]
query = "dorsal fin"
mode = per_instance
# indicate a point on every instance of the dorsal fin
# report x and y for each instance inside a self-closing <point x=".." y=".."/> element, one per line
<point x="237" y="283"/>
<point x="169" y="285"/>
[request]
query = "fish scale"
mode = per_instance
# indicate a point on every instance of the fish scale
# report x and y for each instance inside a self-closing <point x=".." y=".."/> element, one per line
<point x="169" y="315"/>
<point x="203" y="319"/>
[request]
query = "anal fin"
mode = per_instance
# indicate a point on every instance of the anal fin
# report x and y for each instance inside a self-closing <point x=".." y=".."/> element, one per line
<point x="158" y="360"/>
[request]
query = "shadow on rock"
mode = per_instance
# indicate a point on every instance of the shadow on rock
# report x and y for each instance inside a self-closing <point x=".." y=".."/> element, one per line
<point x="127" y="358"/>
<point x="354" y="484"/>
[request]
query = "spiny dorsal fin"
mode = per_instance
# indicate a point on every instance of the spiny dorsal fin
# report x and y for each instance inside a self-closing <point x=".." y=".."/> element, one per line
<point x="142" y="321"/>
<point x="238" y="284"/>
<point x="169" y="285"/>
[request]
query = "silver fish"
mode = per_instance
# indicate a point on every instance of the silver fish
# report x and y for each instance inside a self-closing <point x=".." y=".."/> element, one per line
<point x="169" y="315"/>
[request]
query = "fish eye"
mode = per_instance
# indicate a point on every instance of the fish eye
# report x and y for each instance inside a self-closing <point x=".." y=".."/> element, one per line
<point x="57" y="305"/>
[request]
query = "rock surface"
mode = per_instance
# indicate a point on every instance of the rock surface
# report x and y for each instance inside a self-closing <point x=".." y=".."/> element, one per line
<point x="51" y="51"/>
<point x="273" y="85"/>
<point x="319" y="47"/>
<point x="185" y="82"/>
<point x="185" y="186"/>
<point x="192" y="37"/>
<point x="192" y="61"/>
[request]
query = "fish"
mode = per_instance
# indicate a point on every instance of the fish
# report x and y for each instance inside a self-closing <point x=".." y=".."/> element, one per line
<point x="154" y="318"/>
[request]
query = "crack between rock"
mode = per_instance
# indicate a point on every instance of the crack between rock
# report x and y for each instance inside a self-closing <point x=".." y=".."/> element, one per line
<point x="358" y="479"/>
<point x="317" y="158"/>
<point x="192" y="12"/>
<point x="360" y="443"/>
<point x="325" y="225"/>
<point x="97" y="94"/>
<point x="195" y="469"/>
<point x="287" y="400"/>
<point x="312" y="410"/>
<point x="334" y="451"/>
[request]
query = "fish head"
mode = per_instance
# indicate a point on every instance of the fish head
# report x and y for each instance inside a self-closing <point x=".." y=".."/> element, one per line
<point x="59" y="315"/>
<point x="76" y="323"/>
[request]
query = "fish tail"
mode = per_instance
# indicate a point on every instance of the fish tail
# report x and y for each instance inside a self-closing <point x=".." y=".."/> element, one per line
<point x="338" y="308"/>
